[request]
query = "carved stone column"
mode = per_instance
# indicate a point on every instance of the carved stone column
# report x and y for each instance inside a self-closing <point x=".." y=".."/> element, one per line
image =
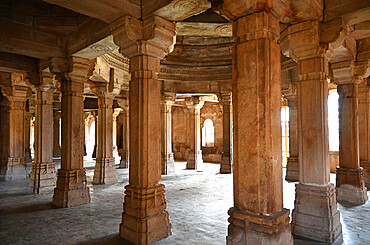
<point x="27" y="136"/>
<point x="168" y="165"/>
<point x="105" y="171"/>
<point x="315" y="213"/>
<point x="350" y="185"/>
<point x="95" y="113"/>
<point x="125" y="129"/>
<point x="227" y="155"/>
<point x="56" y="128"/>
<point x="43" y="175"/>
<point x="194" y="105"/>
<point x="364" y="128"/>
<point x="71" y="189"/>
<point x="5" y="135"/>
<point x="17" y="95"/>
<point x="292" y="168"/>
<point x="258" y="215"/>
<point x="145" y="219"/>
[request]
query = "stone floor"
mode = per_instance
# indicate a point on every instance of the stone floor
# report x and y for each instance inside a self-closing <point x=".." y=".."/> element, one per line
<point x="197" y="202"/>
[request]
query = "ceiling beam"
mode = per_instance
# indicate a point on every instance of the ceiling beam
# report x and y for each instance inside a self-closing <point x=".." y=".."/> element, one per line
<point x="17" y="63"/>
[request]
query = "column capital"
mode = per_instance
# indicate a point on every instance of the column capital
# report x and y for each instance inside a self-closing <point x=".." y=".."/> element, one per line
<point x="225" y="99"/>
<point x="154" y="36"/>
<point x="124" y="104"/>
<point x="18" y="90"/>
<point x="347" y="72"/>
<point x="168" y="97"/>
<point x="194" y="102"/>
<point x="74" y="69"/>
<point x="45" y="83"/>
<point x="312" y="39"/>
<point x="235" y="9"/>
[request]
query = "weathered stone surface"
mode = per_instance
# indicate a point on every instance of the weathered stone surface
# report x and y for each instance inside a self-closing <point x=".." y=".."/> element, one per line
<point x="194" y="105"/>
<point x="292" y="168"/>
<point x="167" y="160"/>
<point x="315" y="213"/>
<point x="350" y="186"/>
<point x="123" y="138"/>
<point x="227" y="154"/>
<point x="43" y="171"/>
<point x="145" y="42"/>
<point x="71" y="188"/>
<point x="5" y="135"/>
<point x="56" y="132"/>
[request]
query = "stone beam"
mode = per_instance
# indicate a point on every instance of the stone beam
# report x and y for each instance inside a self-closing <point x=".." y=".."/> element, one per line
<point x="178" y="10"/>
<point x="17" y="63"/>
<point x="204" y="29"/>
<point x="345" y="8"/>
<point x="105" y="10"/>
<point x="196" y="87"/>
<point x="28" y="41"/>
<point x="91" y="41"/>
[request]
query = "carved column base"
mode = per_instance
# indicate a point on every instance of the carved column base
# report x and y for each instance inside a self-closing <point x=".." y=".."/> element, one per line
<point x="71" y="188"/>
<point x="105" y="171"/>
<point x="15" y="169"/>
<point x="292" y="169"/>
<point x="351" y="186"/>
<point x="42" y="177"/>
<point x="226" y="163"/>
<point x="145" y="219"/>
<point x="168" y="163"/>
<point x="250" y="228"/>
<point x="124" y="163"/>
<point x="366" y="167"/>
<point x="315" y="214"/>
<point x="194" y="159"/>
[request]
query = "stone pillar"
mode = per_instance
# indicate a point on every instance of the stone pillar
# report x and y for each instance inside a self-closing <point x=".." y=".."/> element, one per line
<point x="105" y="171"/>
<point x="43" y="175"/>
<point x="258" y="216"/>
<point x="168" y="165"/>
<point x="96" y="135"/>
<point x="315" y="214"/>
<point x="194" y="105"/>
<point x="17" y="95"/>
<point x="145" y="219"/>
<point x="350" y="185"/>
<point x="227" y="155"/>
<point x="292" y="168"/>
<point x="364" y="128"/>
<point x="56" y="127"/>
<point x="27" y="136"/>
<point x="5" y="135"/>
<point x="124" y="151"/>
<point x="71" y="189"/>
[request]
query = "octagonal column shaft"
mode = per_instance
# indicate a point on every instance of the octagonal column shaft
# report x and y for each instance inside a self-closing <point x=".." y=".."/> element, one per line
<point x="168" y="165"/>
<point x="364" y="129"/>
<point x="195" y="153"/>
<point x="145" y="219"/>
<point x="71" y="188"/>
<point x="227" y="155"/>
<point x="124" y="141"/>
<point x="258" y="216"/>
<point x="43" y="175"/>
<point x="105" y="171"/>
<point x="292" y="168"/>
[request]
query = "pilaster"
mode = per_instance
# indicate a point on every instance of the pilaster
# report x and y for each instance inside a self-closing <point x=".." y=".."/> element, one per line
<point x="145" y="219"/>
<point x="27" y="136"/>
<point x="364" y="128"/>
<point x="350" y="185"/>
<point x="5" y="135"/>
<point x="315" y="201"/>
<point x="167" y="160"/>
<point x="71" y="188"/>
<point x="194" y="105"/>
<point x="227" y="155"/>
<point x="17" y="94"/>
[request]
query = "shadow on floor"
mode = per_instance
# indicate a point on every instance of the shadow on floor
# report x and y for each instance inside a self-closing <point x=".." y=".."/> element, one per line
<point x="28" y="209"/>
<point x="108" y="240"/>
<point x="303" y="241"/>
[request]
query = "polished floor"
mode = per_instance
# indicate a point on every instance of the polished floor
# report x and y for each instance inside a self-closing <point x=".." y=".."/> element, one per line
<point x="197" y="201"/>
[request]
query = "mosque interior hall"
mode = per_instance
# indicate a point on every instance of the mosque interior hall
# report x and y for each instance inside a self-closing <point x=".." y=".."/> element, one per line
<point x="185" y="122"/>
